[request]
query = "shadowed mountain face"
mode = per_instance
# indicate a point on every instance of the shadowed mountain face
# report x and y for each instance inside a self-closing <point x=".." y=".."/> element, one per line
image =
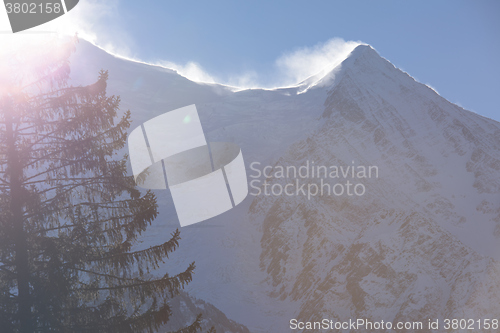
<point x="423" y="241"/>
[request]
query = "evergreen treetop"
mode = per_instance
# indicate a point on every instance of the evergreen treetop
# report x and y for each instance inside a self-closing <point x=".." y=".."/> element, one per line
<point x="69" y="212"/>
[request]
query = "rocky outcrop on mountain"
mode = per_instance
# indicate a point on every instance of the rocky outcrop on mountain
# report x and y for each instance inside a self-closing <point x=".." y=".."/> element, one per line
<point x="185" y="308"/>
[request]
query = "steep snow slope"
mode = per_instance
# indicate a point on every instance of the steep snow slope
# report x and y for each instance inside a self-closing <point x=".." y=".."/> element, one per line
<point x="422" y="242"/>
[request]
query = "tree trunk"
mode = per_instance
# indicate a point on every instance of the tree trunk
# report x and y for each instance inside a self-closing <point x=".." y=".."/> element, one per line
<point x="17" y="222"/>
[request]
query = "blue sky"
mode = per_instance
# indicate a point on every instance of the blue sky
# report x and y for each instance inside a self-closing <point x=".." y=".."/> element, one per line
<point x="453" y="46"/>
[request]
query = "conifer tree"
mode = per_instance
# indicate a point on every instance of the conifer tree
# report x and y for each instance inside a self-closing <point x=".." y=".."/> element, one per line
<point x="69" y="212"/>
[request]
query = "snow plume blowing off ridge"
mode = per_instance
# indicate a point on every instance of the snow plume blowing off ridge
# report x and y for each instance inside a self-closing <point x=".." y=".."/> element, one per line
<point x="314" y="61"/>
<point x="99" y="23"/>
<point x="291" y="68"/>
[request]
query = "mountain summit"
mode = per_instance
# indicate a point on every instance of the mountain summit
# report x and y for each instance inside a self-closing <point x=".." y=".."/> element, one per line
<point x="326" y="76"/>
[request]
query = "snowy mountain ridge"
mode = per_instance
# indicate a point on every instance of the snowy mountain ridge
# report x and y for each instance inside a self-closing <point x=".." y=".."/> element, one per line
<point x="423" y="242"/>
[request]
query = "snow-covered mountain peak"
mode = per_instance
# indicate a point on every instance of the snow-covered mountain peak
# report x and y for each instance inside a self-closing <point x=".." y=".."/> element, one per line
<point x="362" y="50"/>
<point x="422" y="242"/>
<point x="361" y="58"/>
